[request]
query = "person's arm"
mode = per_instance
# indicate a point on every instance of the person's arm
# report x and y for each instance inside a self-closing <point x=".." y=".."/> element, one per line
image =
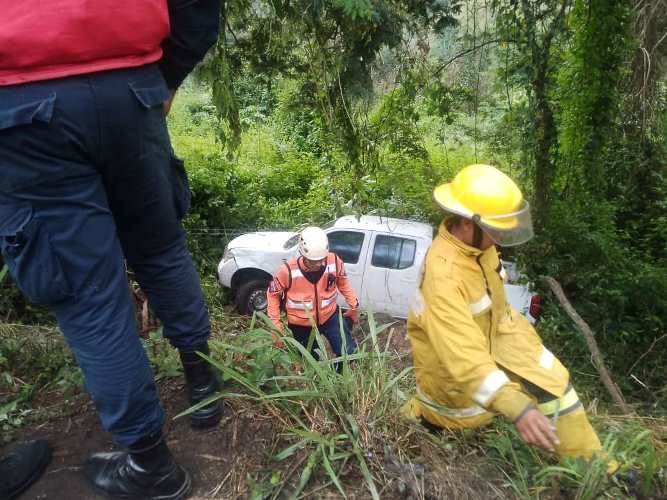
<point x="343" y="284"/>
<point x="274" y="295"/>
<point x="194" y="29"/>
<point x="464" y="351"/>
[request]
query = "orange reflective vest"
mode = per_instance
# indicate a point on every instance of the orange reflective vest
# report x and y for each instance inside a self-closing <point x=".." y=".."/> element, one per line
<point x="304" y="300"/>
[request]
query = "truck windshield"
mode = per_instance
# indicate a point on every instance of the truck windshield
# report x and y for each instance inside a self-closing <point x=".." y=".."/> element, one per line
<point x="291" y="241"/>
<point x="294" y="239"/>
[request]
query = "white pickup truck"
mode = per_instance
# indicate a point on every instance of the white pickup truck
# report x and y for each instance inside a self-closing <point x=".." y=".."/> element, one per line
<point x="382" y="256"/>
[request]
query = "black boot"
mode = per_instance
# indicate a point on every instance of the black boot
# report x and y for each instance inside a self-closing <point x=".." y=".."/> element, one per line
<point x="147" y="470"/>
<point x="22" y="466"/>
<point x="202" y="383"/>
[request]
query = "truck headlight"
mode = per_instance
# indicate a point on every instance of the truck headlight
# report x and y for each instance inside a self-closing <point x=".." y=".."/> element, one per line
<point x="227" y="255"/>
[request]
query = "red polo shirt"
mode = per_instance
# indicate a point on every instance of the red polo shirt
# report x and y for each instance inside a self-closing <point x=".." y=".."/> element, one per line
<point x="44" y="40"/>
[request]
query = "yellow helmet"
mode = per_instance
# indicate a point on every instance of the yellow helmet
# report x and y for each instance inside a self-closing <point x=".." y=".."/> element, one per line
<point x="487" y="196"/>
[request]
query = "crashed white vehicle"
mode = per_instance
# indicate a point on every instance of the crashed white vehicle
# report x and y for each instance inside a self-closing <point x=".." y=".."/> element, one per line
<point x="382" y="256"/>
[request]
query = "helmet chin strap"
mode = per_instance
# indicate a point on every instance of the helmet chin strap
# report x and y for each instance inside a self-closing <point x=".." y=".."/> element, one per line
<point x="477" y="234"/>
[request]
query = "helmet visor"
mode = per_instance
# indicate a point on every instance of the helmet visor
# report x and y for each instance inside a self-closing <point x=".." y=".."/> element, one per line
<point x="509" y="230"/>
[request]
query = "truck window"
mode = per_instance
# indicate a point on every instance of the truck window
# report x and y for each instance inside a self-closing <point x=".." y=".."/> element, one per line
<point x="292" y="241"/>
<point x="393" y="253"/>
<point x="347" y="245"/>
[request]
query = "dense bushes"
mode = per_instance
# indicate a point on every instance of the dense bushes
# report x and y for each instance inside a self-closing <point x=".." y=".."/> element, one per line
<point x="283" y="177"/>
<point x="619" y="292"/>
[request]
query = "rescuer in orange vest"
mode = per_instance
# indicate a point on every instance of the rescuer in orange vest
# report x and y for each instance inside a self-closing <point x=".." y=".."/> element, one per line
<point x="308" y="285"/>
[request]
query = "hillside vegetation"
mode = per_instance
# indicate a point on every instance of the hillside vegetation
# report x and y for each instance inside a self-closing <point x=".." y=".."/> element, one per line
<point x="308" y="110"/>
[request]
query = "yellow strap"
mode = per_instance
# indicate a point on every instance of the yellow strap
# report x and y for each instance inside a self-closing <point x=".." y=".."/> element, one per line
<point x="560" y="405"/>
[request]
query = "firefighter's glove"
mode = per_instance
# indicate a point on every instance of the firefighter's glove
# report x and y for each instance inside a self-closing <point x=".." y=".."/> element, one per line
<point x="353" y="314"/>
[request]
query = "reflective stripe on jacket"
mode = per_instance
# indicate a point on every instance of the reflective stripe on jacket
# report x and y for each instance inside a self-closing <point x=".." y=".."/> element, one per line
<point x="305" y="300"/>
<point x="45" y="40"/>
<point x="470" y="347"/>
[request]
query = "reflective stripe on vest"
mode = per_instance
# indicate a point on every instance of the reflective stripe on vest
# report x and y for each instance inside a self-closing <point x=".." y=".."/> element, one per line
<point x="489" y="387"/>
<point x="481" y="305"/>
<point x="296" y="273"/>
<point x="326" y="302"/>
<point x="318" y="299"/>
<point x="567" y="403"/>
<point x="472" y="411"/>
<point x="304" y="306"/>
<point x="547" y="359"/>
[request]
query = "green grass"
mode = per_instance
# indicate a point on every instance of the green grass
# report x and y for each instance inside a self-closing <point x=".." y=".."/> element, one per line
<point x="341" y="434"/>
<point x="344" y="432"/>
<point x="330" y="415"/>
<point x="38" y="376"/>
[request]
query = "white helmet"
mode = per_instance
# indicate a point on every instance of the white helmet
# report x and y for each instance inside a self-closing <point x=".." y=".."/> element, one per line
<point x="313" y="243"/>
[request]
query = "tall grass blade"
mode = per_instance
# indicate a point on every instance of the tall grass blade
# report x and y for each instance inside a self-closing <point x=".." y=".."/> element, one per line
<point x="291" y="450"/>
<point x="332" y="473"/>
<point x="366" y="473"/>
<point x="307" y="472"/>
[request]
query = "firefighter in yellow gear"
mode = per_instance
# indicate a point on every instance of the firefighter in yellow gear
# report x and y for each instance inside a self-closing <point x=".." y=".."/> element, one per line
<point x="474" y="355"/>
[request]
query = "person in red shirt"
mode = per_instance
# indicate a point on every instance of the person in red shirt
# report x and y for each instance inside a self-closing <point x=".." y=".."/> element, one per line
<point x="308" y="286"/>
<point x="88" y="182"/>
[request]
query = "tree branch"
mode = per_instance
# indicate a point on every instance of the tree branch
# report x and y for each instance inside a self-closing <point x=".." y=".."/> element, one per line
<point x="655" y="341"/>
<point x="463" y="53"/>
<point x="586" y="331"/>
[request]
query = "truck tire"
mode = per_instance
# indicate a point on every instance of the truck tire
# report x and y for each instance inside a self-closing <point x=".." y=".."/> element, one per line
<point x="251" y="297"/>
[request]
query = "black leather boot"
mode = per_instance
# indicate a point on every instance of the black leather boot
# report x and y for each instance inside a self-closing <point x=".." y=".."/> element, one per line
<point x="146" y="470"/>
<point x="202" y="382"/>
<point x="22" y="466"/>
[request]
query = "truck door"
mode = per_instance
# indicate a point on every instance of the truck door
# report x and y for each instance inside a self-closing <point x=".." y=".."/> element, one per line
<point x="351" y="247"/>
<point x="391" y="273"/>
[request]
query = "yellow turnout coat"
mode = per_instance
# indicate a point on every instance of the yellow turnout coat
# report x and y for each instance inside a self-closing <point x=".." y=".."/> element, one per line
<point x="475" y="356"/>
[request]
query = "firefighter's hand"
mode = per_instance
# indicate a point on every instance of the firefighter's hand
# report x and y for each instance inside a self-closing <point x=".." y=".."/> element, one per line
<point x="536" y="429"/>
<point x="353" y="314"/>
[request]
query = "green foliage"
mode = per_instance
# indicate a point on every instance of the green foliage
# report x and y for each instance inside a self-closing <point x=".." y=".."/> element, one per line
<point x="33" y="362"/>
<point x="14" y="306"/>
<point x="618" y="291"/>
<point x="531" y="474"/>
<point x="329" y="413"/>
<point x="162" y="356"/>
<point x="330" y="48"/>
<point x="589" y="92"/>
<point x="602" y="230"/>
<point x="354" y="8"/>
<point x="534" y="33"/>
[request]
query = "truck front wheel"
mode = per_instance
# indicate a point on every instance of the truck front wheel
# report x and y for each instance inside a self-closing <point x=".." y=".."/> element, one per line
<point x="251" y="297"/>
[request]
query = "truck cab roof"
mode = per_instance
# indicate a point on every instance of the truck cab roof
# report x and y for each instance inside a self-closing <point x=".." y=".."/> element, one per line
<point x="384" y="224"/>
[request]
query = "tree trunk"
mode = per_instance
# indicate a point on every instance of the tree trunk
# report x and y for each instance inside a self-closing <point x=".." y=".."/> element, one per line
<point x="545" y="138"/>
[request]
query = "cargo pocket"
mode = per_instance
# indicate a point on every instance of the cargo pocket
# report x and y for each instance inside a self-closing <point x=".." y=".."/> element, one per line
<point x="26" y="249"/>
<point x="150" y="94"/>
<point x="180" y="186"/>
<point x="40" y="110"/>
<point x="26" y="131"/>
<point x="147" y="134"/>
